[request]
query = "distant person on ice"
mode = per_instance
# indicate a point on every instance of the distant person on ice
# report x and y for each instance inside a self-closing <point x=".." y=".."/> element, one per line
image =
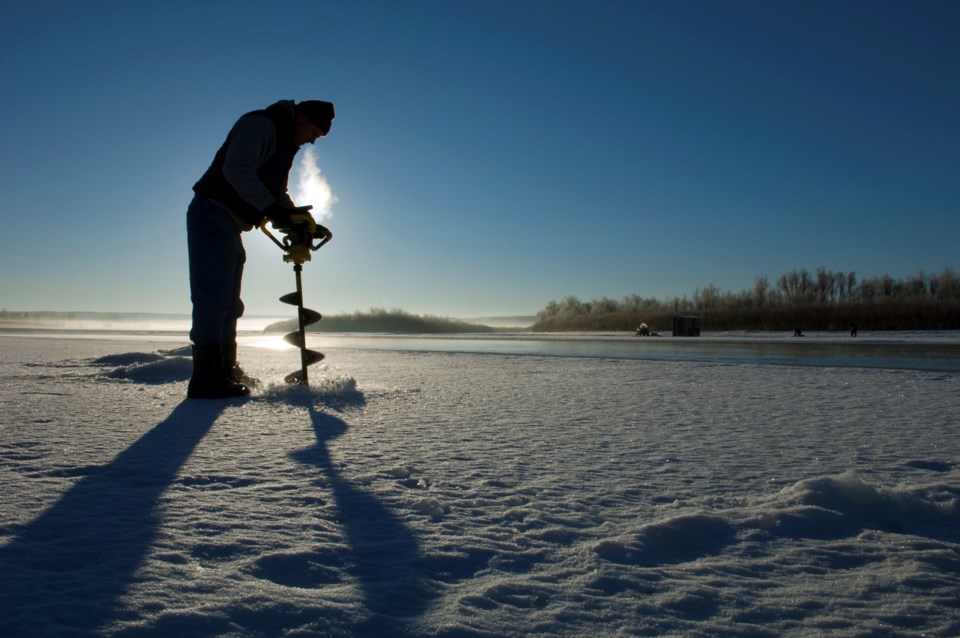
<point x="245" y="186"/>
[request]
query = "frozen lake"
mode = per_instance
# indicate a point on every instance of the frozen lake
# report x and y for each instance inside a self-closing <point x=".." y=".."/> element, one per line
<point x="582" y="485"/>
<point x="926" y="350"/>
<point x="904" y="351"/>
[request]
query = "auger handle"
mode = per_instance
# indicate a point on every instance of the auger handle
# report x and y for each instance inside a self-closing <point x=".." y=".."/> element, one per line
<point x="325" y="236"/>
<point x="266" y="232"/>
<point x="300" y="211"/>
<point x="296" y="250"/>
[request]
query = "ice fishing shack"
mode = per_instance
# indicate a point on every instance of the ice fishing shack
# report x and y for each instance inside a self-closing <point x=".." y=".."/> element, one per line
<point x="686" y="326"/>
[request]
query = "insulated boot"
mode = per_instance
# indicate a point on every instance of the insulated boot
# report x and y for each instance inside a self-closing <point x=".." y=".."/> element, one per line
<point x="209" y="380"/>
<point x="234" y="372"/>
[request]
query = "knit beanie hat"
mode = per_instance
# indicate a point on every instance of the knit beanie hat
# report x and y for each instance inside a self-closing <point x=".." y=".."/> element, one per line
<point x="318" y="112"/>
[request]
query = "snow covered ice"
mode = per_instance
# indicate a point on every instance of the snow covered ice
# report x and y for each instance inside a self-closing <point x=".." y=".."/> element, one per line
<point x="409" y="492"/>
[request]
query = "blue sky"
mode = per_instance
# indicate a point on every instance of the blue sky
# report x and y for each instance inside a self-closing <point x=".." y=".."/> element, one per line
<point x="490" y="156"/>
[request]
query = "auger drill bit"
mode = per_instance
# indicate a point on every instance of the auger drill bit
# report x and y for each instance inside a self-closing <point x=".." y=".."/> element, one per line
<point x="297" y="245"/>
<point x="305" y="317"/>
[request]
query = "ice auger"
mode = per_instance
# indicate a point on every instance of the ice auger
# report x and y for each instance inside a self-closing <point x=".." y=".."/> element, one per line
<point x="297" y="244"/>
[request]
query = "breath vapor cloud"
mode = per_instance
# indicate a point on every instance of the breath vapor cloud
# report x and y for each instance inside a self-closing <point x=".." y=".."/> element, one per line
<point x="312" y="187"/>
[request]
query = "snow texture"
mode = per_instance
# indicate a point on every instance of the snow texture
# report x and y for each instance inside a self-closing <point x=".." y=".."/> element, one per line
<point x="473" y="494"/>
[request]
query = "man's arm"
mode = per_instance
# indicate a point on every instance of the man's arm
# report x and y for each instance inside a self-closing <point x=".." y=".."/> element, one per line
<point x="252" y="141"/>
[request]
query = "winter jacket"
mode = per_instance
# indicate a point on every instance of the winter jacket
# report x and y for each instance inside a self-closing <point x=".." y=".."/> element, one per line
<point x="250" y="171"/>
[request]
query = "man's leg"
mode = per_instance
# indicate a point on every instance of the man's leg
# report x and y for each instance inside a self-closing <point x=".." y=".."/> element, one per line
<point x="229" y="330"/>
<point x="213" y="240"/>
<point x="214" y="248"/>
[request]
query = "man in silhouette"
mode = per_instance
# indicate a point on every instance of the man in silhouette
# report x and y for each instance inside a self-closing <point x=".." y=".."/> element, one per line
<point x="245" y="186"/>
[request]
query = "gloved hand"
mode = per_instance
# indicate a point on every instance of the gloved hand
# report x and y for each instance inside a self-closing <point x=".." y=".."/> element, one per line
<point x="278" y="216"/>
<point x="283" y="218"/>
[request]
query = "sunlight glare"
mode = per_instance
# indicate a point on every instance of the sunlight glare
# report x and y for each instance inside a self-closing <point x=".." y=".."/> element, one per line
<point x="273" y="342"/>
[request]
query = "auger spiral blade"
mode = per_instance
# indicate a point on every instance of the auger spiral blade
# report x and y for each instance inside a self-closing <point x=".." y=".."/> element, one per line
<point x="293" y="338"/>
<point x="293" y="298"/>
<point x="308" y="358"/>
<point x="305" y="317"/>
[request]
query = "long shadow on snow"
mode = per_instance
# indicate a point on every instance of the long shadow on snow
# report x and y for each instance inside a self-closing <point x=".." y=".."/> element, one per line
<point x="65" y="572"/>
<point x="385" y="555"/>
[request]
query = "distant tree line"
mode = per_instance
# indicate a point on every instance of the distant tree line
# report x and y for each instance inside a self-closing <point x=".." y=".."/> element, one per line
<point x="822" y="300"/>
<point x="381" y="320"/>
